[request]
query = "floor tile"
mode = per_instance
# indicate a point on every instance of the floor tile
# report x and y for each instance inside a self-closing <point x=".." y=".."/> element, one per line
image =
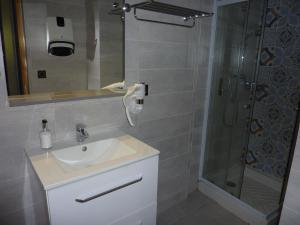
<point x="198" y="209"/>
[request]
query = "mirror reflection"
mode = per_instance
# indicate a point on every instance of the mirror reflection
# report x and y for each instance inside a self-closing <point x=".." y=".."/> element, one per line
<point x="61" y="45"/>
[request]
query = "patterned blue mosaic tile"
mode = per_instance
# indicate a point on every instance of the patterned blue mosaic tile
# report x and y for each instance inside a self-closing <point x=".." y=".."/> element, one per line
<point x="278" y="89"/>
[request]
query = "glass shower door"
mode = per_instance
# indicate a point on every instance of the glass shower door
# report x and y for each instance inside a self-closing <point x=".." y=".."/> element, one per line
<point x="233" y="80"/>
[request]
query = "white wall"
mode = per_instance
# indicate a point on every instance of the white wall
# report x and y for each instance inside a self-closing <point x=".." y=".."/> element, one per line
<point x="93" y="47"/>
<point x="291" y="206"/>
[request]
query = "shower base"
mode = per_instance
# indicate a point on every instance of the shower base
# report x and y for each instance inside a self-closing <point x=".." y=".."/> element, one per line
<point x="236" y="206"/>
<point x="259" y="196"/>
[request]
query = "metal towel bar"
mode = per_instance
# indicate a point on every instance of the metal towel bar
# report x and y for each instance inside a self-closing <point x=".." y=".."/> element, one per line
<point x="185" y="13"/>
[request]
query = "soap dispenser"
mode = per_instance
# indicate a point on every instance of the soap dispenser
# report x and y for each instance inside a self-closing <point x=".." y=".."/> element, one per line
<point x="45" y="136"/>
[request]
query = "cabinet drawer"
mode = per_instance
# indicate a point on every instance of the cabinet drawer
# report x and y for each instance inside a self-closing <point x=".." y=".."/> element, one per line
<point x="146" y="216"/>
<point x="101" y="199"/>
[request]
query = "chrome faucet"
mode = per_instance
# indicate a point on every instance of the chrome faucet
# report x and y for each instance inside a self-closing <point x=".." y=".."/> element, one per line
<point x="81" y="133"/>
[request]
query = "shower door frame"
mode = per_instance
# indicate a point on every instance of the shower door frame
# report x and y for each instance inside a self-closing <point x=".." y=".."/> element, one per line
<point x="217" y="3"/>
<point x="225" y="199"/>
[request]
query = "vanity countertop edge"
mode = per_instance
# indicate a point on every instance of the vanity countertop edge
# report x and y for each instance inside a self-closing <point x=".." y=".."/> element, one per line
<point x="53" y="173"/>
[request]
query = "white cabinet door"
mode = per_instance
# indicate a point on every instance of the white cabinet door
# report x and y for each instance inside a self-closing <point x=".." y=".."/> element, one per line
<point x="104" y="198"/>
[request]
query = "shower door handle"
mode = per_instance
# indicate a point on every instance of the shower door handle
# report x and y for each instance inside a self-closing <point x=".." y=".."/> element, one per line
<point x="220" y="89"/>
<point x="246" y="106"/>
<point x="233" y="87"/>
<point x="252" y="89"/>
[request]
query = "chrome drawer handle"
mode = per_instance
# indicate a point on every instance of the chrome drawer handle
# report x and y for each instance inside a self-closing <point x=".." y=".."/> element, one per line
<point x="116" y="187"/>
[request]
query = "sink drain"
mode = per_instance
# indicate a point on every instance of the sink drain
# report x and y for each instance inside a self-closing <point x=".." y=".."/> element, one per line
<point x="84" y="149"/>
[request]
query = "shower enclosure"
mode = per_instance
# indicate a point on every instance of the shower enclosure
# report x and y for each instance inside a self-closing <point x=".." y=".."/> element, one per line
<point x="246" y="151"/>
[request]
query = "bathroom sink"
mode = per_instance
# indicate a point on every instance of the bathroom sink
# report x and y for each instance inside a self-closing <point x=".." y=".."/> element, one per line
<point x="93" y="153"/>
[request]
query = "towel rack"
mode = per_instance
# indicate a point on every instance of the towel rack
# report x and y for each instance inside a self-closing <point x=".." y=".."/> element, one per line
<point x="185" y="13"/>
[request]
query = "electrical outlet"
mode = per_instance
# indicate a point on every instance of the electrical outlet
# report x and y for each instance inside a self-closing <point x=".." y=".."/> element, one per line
<point x="41" y="74"/>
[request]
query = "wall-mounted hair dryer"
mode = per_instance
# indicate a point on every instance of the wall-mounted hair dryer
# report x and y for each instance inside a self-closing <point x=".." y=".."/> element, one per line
<point x="133" y="100"/>
<point x="60" y="40"/>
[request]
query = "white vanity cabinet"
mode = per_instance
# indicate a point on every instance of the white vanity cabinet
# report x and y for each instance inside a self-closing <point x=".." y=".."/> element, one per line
<point x="126" y="195"/>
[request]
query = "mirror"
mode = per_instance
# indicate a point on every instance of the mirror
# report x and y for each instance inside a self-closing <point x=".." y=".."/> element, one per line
<point x="56" y="48"/>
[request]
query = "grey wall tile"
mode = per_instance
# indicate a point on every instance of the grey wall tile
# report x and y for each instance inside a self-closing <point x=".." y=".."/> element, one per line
<point x="14" y="127"/>
<point x="193" y="178"/>
<point x="172" y="184"/>
<point x="167" y="80"/>
<point x="195" y="155"/>
<point x="166" y="34"/>
<point x="162" y="55"/>
<point x="197" y="135"/>
<point x="132" y="54"/>
<point x="132" y="76"/>
<point x="199" y="98"/>
<point x="173" y="146"/>
<point x="200" y="77"/>
<point x="163" y="128"/>
<point x="34" y="215"/>
<point x="171" y="167"/>
<point x="34" y="10"/>
<point x="20" y="192"/>
<point x="166" y="105"/>
<point x="132" y="27"/>
<point x="103" y="113"/>
<point x="198" y="117"/>
<point x="206" y="5"/>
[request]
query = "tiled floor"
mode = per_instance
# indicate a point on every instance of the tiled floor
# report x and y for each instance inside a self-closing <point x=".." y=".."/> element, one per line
<point x="198" y="210"/>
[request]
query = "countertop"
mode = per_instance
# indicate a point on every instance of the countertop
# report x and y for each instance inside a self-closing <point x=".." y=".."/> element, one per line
<point x="53" y="173"/>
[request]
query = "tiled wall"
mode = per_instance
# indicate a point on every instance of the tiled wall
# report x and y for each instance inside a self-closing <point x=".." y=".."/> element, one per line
<point x="92" y="46"/>
<point x="173" y="61"/>
<point x="291" y="207"/>
<point x="278" y="85"/>
<point x="111" y="46"/>
<point x="287" y="21"/>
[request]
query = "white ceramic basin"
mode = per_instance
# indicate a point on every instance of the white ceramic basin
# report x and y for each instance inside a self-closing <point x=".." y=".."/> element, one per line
<point x="94" y="152"/>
